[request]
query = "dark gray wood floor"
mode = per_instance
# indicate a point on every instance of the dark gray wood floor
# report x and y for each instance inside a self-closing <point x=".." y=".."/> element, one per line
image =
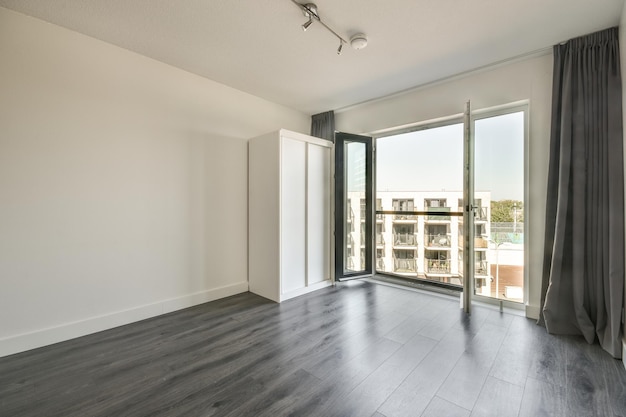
<point x="359" y="349"/>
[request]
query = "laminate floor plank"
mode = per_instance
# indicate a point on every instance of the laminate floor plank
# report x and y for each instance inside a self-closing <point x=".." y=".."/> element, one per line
<point x="439" y="407"/>
<point x="498" y="399"/>
<point x="356" y="349"/>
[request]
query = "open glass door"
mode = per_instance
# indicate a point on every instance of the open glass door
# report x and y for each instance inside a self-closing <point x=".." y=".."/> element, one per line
<point x="353" y="206"/>
<point x="419" y="204"/>
<point x="500" y="138"/>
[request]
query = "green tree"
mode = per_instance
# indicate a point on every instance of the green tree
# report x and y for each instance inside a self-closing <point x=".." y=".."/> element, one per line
<point x="503" y="211"/>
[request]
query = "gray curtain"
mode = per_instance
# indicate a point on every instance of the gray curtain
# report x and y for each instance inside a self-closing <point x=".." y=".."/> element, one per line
<point x="583" y="274"/>
<point x="323" y="125"/>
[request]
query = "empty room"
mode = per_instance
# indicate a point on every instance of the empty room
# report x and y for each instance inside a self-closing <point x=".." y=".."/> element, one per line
<point x="339" y="208"/>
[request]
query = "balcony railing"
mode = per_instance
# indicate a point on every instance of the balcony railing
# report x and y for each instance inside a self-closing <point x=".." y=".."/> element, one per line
<point x="480" y="243"/>
<point x="380" y="264"/>
<point x="349" y="215"/>
<point x="482" y="214"/>
<point x="404" y="239"/>
<point x="482" y="268"/>
<point x="404" y="265"/>
<point x="437" y="217"/>
<point x="437" y="240"/>
<point x="435" y="266"/>
<point x="404" y="217"/>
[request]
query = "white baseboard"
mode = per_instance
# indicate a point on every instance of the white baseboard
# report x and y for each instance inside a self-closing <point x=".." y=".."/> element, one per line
<point x="532" y="312"/>
<point x="67" y="331"/>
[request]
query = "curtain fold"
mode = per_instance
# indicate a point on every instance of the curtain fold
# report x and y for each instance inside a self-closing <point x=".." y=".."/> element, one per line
<point x="323" y="125"/>
<point x="583" y="273"/>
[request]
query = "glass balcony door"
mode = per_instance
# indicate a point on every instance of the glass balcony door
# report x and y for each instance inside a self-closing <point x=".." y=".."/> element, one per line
<point x="354" y="212"/>
<point x="499" y="196"/>
<point x="419" y="181"/>
<point x="450" y="204"/>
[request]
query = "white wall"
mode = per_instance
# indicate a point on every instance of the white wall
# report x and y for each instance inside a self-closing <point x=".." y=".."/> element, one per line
<point x="531" y="80"/>
<point x="622" y="43"/>
<point x="123" y="184"/>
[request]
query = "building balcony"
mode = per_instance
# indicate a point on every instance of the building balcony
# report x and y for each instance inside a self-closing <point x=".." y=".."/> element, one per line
<point x="404" y="218"/>
<point x="380" y="264"/>
<point x="482" y="269"/>
<point x="404" y="239"/>
<point x="380" y="240"/>
<point x="482" y="214"/>
<point x="438" y="267"/>
<point x="349" y="215"/>
<point x="437" y="241"/>
<point x="436" y="217"/>
<point x="480" y="243"/>
<point x="405" y="265"/>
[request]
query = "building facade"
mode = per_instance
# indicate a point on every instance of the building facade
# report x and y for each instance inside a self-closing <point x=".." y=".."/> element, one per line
<point x="427" y="247"/>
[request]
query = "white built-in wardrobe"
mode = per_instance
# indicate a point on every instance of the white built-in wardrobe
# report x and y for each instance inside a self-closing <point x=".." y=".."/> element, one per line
<point x="289" y="214"/>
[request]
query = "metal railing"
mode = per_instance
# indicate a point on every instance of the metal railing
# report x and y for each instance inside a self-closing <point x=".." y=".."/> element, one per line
<point x="404" y="239"/>
<point x="437" y="216"/>
<point x="482" y="268"/>
<point x="438" y="240"/>
<point x="435" y="266"/>
<point x="380" y="264"/>
<point x="404" y="217"/>
<point x="404" y="265"/>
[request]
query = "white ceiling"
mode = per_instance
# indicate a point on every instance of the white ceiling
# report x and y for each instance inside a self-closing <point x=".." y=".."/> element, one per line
<point x="258" y="46"/>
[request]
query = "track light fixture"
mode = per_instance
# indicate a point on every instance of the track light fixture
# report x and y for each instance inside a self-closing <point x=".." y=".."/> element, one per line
<point x="310" y="10"/>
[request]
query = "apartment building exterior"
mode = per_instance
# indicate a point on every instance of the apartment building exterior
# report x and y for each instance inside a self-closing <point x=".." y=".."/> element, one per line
<point x="427" y="247"/>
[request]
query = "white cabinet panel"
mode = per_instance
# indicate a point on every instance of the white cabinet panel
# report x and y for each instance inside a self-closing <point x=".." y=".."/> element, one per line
<point x="318" y="213"/>
<point x="293" y="215"/>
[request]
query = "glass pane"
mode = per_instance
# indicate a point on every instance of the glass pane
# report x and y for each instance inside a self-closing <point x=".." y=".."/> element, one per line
<point x="354" y="238"/>
<point x="499" y="184"/>
<point x="420" y="172"/>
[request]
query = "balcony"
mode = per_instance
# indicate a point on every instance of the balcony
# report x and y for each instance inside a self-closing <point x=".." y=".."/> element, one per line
<point x="482" y="269"/>
<point x="404" y="239"/>
<point x="404" y="218"/>
<point x="435" y="266"/>
<point x="380" y="264"/>
<point x="481" y="214"/>
<point x="405" y="265"/>
<point x="437" y="217"/>
<point x="437" y="240"/>
<point x="480" y="243"/>
<point x="380" y="240"/>
<point x="349" y="215"/>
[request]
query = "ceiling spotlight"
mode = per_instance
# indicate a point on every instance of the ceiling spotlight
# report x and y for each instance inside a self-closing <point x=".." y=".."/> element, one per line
<point x="306" y="25"/>
<point x="340" y="47"/>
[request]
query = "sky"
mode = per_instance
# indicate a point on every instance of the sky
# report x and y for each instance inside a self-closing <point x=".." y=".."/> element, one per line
<point x="432" y="159"/>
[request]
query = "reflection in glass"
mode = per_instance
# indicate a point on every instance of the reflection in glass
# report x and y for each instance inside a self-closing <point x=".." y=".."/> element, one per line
<point x="355" y="171"/>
